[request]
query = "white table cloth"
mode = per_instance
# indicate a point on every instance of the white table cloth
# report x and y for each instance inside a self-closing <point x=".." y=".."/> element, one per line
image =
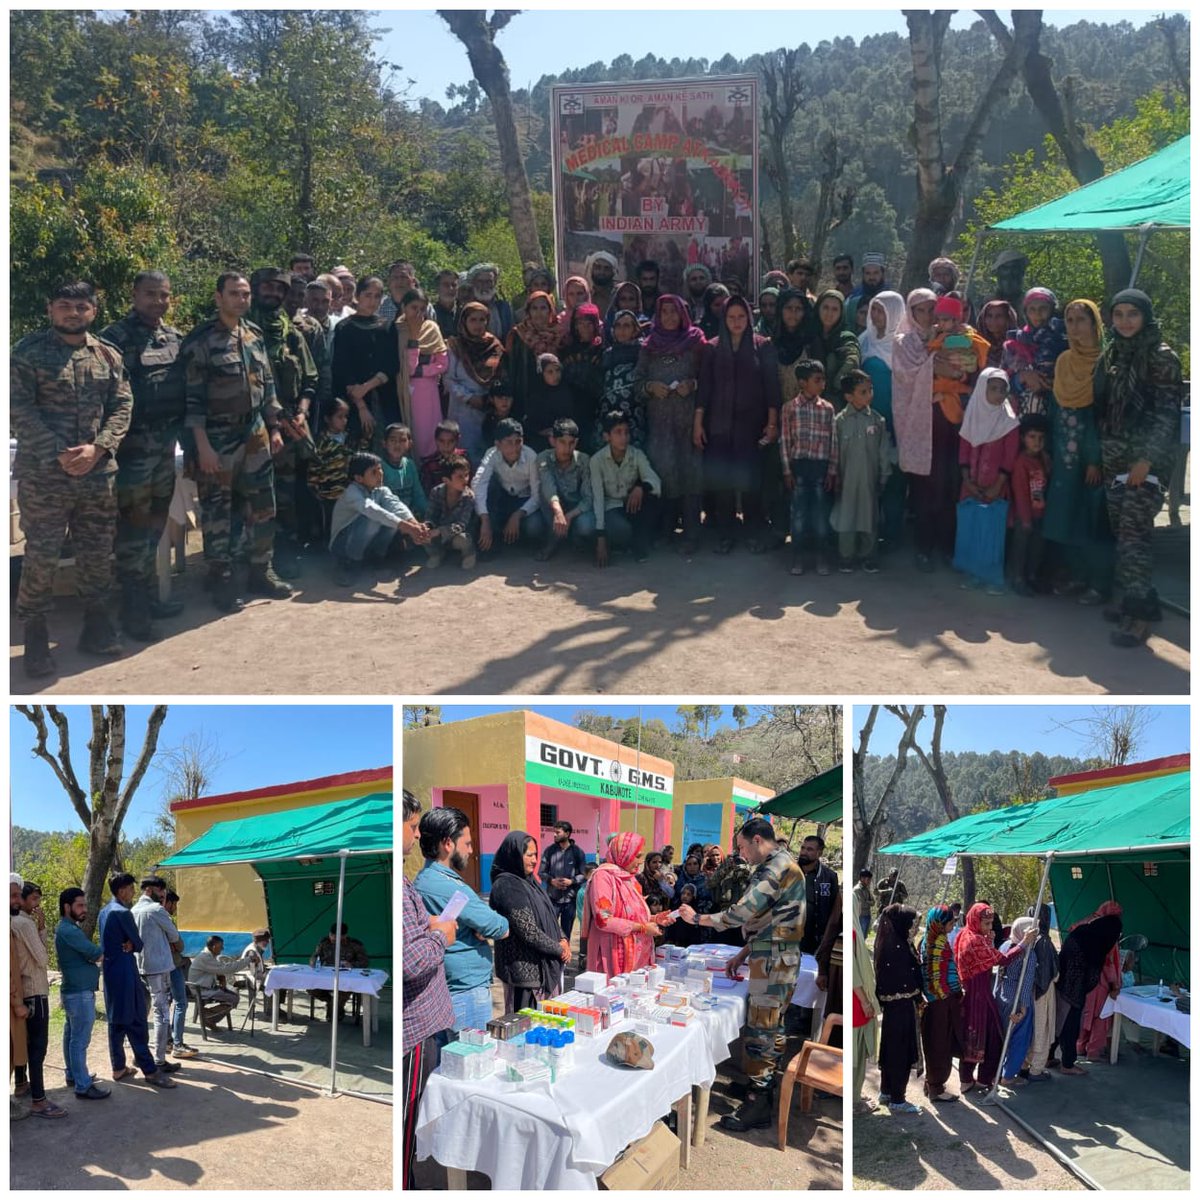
<point x="547" y="1137"/>
<point x="299" y="977"/>
<point x="1141" y="1005"/>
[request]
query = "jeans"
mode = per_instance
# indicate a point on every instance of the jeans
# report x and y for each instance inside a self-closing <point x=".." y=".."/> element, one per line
<point x="864" y="924"/>
<point x="582" y="528"/>
<point x="623" y="530"/>
<point x="37" y="1037"/>
<point x="501" y="505"/>
<point x="160" y="1000"/>
<point x="80" y="1011"/>
<point x="566" y="917"/>
<point x="179" y="999"/>
<point x="362" y="539"/>
<point x="811" y="503"/>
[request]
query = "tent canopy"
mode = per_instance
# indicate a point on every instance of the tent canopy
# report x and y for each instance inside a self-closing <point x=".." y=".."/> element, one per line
<point x="817" y="799"/>
<point x="1155" y="192"/>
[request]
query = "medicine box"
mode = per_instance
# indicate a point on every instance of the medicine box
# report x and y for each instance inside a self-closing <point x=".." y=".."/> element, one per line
<point x="638" y="978"/>
<point x="699" y="981"/>
<point x="588" y="1022"/>
<point x="682" y="1016"/>
<point x="655" y="976"/>
<point x="591" y="981"/>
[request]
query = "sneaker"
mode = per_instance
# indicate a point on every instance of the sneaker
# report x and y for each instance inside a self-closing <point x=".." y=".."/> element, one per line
<point x="158" y="1079"/>
<point x="95" y="1092"/>
<point x="168" y="1067"/>
<point x="469" y="559"/>
<point x="182" y="1051"/>
<point x="902" y="1106"/>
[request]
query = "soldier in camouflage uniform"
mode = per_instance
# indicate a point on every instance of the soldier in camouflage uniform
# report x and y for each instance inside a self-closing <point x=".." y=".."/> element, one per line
<point x="232" y="423"/>
<point x="771" y="914"/>
<point x="70" y="408"/>
<point x="146" y="459"/>
<point x="295" y="389"/>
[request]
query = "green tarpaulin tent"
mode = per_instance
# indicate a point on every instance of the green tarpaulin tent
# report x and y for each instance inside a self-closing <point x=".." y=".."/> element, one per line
<point x="1130" y="842"/>
<point x="817" y="799"/>
<point x="319" y="865"/>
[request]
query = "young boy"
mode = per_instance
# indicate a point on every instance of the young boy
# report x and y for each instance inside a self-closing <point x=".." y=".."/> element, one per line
<point x="436" y="466"/>
<point x="625" y="492"/>
<point x="1029" y="483"/>
<point x="863" y="466"/>
<point x="508" y="491"/>
<point x="400" y="473"/>
<point x="810" y="463"/>
<point x="566" y="486"/>
<point x="499" y="406"/>
<point x="366" y="518"/>
<point x="450" y="516"/>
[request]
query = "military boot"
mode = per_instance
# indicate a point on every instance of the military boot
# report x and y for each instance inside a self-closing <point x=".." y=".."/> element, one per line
<point x="224" y="594"/>
<point x="135" y="615"/>
<point x="262" y="581"/>
<point x="754" y="1113"/>
<point x="286" y="556"/>
<point x="38" y="660"/>
<point x="162" y="610"/>
<point x="99" y="635"/>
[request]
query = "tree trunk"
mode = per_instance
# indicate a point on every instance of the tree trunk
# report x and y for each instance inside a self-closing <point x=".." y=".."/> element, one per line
<point x="933" y="764"/>
<point x="477" y="34"/>
<point x="833" y="164"/>
<point x="783" y="185"/>
<point x="868" y="821"/>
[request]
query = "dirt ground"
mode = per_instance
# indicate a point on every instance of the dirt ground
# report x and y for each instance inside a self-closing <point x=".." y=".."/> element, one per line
<point x="963" y="1146"/>
<point x="219" y="1128"/>
<point x="709" y="625"/>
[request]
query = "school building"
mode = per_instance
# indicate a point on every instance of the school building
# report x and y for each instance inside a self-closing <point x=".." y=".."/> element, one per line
<point x="230" y="900"/>
<point x="712" y="810"/>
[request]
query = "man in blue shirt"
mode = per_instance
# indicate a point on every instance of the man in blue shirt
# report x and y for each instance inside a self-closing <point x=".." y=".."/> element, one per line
<point x="77" y="958"/>
<point x="446" y="845"/>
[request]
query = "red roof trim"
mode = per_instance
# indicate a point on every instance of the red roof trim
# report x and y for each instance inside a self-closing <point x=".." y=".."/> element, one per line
<point x="1170" y="762"/>
<point x="326" y="782"/>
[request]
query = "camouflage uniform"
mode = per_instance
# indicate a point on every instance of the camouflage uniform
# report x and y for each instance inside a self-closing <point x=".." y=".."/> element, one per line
<point x="230" y="393"/>
<point x="63" y="395"/>
<point x="771" y="913"/>
<point x="146" y="460"/>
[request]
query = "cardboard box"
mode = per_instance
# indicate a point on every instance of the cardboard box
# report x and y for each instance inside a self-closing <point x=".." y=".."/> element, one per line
<point x="651" y="1164"/>
<point x="591" y="981"/>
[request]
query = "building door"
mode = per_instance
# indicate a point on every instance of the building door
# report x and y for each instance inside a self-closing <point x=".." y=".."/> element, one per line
<point x="468" y="802"/>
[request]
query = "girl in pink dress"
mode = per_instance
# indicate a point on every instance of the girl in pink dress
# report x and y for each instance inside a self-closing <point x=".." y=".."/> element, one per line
<point x="423" y="359"/>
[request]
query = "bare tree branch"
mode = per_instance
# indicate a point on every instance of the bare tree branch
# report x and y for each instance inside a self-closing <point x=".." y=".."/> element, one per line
<point x="61" y="766"/>
<point x="153" y="725"/>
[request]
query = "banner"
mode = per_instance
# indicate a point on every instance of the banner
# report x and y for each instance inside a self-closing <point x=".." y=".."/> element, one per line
<point x="555" y="765"/>
<point x="663" y="170"/>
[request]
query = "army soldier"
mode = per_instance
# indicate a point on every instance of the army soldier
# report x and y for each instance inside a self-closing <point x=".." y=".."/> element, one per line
<point x="771" y="913"/>
<point x="295" y="389"/>
<point x="318" y="298"/>
<point x="70" y="409"/>
<point x="146" y="459"/>
<point x="233" y="417"/>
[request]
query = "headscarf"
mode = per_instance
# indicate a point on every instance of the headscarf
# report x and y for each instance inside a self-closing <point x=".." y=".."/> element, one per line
<point x="897" y="968"/>
<point x="565" y="317"/>
<point x="1010" y="324"/>
<point x="619" y="353"/>
<point x="710" y="322"/>
<point x="539" y="341"/>
<point x="698" y="266"/>
<point x="572" y="341"/>
<point x="974" y="949"/>
<point x="761" y="325"/>
<point x="599" y="256"/>
<point x="624" y="849"/>
<point x="508" y="870"/>
<point x="1089" y="943"/>
<point x="1075" y="367"/>
<point x="1019" y="928"/>
<point x="1045" y="295"/>
<point x="984" y="423"/>
<point x="615" y="310"/>
<point x="790" y="343"/>
<point x="939" y="974"/>
<point x="480" y="356"/>
<point x="777" y="279"/>
<point x="1127" y="363"/>
<point x="678" y="341"/>
<point x="946" y="262"/>
<point x="1045" y="955"/>
<point x="1110" y="908"/>
<point x="724" y="339"/>
<point x="874" y="346"/>
<point x="429" y="344"/>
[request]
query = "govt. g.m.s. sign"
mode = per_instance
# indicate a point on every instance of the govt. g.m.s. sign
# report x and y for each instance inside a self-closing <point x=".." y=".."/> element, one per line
<point x="556" y="765"/>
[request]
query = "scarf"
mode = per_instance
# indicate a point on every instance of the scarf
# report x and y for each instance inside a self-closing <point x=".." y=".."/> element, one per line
<point x="275" y="325"/>
<point x="1045" y="955"/>
<point x="710" y="320"/>
<point x="567" y="316"/>
<point x="939" y="974"/>
<point x="624" y="848"/>
<point x="615" y="310"/>
<point x="897" y="968"/>
<point x="874" y="346"/>
<point x="946" y="262"/>
<point x="480" y="356"/>
<point x="974" y="948"/>
<point x="724" y="347"/>
<point x="619" y="353"/>
<point x="790" y="343"/>
<point x="677" y="341"/>
<point x="985" y="423"/>
<point x="572" y="342"/>
<point x="429" y="343"/>
<point x="508" y="870"/>
<point x="1075" y="367"/>
<point x="912" y="388"/>
<point x="828" y="341"/>
<point x="1127" y="364"/>
<point x="1010" y="323"/>
<point x="539" y="341"/>
<point x="763" y="326"/>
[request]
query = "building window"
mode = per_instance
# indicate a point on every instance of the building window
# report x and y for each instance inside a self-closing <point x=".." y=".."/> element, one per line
<point x="324" y="887"/>
<point x="1076" y="872"/>
<point x="1150" y="870"/>
<point x="549" y="815"/>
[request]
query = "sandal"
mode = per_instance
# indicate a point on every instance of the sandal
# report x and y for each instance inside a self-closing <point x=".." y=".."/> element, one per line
<point x="945" y="1098"/>
<point x="122" y="1073"/>
<point x="50" y="1113"/>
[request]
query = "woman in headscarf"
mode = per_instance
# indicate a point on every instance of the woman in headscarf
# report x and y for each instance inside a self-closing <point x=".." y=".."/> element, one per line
<point x="651" y="881"/>
<point x="1031" y="353"/>
<point x="768" y="311"/>
<point x="794" y="328"/>
<point x="581" y="354"/>
<point x="975" y="955"/>
<point x="576" y="291"/>
<point x="833" y="344"/>
<point x="535" y="334"/>
<point x="692" y="875"/>
<point x="898" y="987"/>
<point x="423" y="360"/>
<point x="941" y="1021"/>
<point x="476" y="363"/>
<point x="529" y="962"/>
<point x="1076" y="514"/>
<point x="1014" y="997"/>
<point x="997" y="322"/>
<point x="1094" y="1030"/>
<point x="619" y="363"/>
<point x="715" y="297"/>
<point x="1139" y="388"/>
<point x="1045" y="968"/>
<point x="876" y="344"/>
<point x="365" y="360"/>
<point x="667" y="377"/>
<point x="736" y="414"/>
<point x="627" y="298"/>
<point x="621" y="930"/>
<point x="866" y="1024"/>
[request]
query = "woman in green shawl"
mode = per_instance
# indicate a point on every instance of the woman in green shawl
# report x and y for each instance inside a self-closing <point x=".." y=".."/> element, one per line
<point x="833" y="344"/>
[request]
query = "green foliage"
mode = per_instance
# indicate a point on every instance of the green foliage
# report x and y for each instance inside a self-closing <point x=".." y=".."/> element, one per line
<point x="1009" y="883"/>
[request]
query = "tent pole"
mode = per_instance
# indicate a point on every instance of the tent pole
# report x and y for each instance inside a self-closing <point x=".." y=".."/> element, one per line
<point x="337" y="973"/>
<point x="1137" y="262"/>
<point x="991" y="1097"/>
<point x="974" y="262"/>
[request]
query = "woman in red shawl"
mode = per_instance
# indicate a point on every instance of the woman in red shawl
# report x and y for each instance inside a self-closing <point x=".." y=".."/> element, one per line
<point x="1094" y="1029"/>
<point x="975" y="955"/>
<point x="536" y="334"/>
<point x="620" y="928"/>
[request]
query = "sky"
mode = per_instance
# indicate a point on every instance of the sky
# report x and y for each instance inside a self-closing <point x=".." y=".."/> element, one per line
<point x="566" y="713"/>
<point x="543" y="41"/>
<point x="264" y="745"/>
<point x="1028" y="728"/>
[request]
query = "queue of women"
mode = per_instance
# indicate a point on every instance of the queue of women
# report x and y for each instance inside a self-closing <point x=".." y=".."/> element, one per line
<point x="934" y="993"/>
<point x="1078" y="443"/>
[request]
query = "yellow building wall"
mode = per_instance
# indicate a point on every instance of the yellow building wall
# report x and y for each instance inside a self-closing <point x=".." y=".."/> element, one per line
<point x="231" y="899"/>
<point x="713" y="791"/>
<point x="639" y="820"/>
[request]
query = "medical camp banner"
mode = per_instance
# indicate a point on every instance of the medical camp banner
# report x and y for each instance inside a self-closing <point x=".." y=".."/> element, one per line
<point x="667" y="171"/>
<point x="555" y="765"/>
